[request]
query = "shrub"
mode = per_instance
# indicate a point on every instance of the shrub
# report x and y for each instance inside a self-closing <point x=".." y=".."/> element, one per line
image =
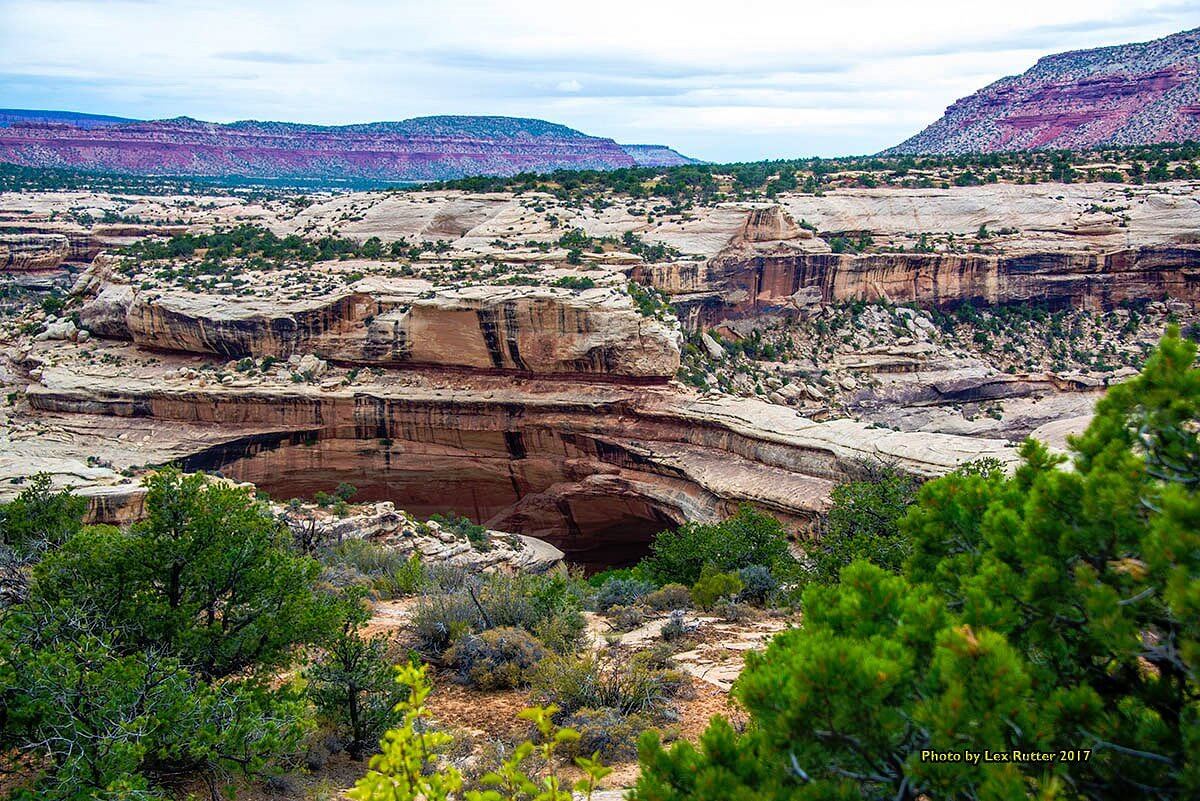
<point x="353" y="684"/>
<point x="463" y="527"/>
<point x="757" y="584"/>
<point x="635" y="573"/>
<point x="620" y="592"/>
<point x="409" y="767"/>
<point x="547" y="606"/>
<point x="149" y="653"/>
<point x="406" y="580"/>
<point x="607" y="732"/>
<point x="669" y="597"/>
<point x="497" y="659"/>
<point x="675" y="627"/>
<point x="384" y="570"/>
<point x="714" y="586"/>
<point x="747" y="538"/>
<point x="39" y="517"/>
<point x="577" y="681"/>
<point x="442" y="618"/>
<point x="627" y="618"/>
<point x="574" y="282"/>
<point x="730" y="610"/>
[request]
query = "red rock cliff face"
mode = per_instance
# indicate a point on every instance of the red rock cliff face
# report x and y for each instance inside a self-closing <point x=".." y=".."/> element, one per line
<point x="752" y="285"/>
<point x="1129" y="94"/>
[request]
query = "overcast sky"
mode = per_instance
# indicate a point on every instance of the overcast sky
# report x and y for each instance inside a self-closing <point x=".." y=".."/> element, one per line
<point x="719" y="81"/>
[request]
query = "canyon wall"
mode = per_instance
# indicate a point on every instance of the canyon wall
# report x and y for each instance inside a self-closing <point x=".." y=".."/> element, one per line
<point x="737" y="284"/>
<point x="23" y="252"/>
<point x="584" y="467"/>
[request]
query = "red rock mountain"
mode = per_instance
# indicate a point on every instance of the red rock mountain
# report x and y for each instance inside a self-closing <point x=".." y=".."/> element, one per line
<point x="422" y="149"/>
<point x="1124" y="95"/>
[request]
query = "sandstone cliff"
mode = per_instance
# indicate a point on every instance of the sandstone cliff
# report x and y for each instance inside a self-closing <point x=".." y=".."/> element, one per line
<point x="538" y="330"/>
<point x="740" y="283"/>
<point x="29" y="252"/>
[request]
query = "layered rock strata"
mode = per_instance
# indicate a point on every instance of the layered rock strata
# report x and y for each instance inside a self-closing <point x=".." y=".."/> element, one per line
<point x="21" y="252"/>
<point x="740" y="284"/>
<point x="1128" y="94"/>
<point x="531" y="330"/>
<point x="583" y="467"/>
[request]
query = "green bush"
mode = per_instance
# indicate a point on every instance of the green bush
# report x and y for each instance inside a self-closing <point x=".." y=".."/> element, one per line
<point x="547" y="606"/>
<point x="607" y="732"/>
<point x="758" y="584"/>
<point x="352" y="684"/>
<point x="635" y="573"/>
<point x="386" y="571"/>
<point x="40" y="518"/>
<point x="609" y="681"/>
<point x="147" y="654"/>
<point x="626" y="618"/>
<point x="748" y="538"/>
<point x="463" y="527"/>
<point x="669" y="597"/>
<point x="675" y="627"/>
<point x="713" y="587"/>
<point x="864" y="523"/>
<point x="498" y="659"/>
<point x="442" y="618"/>
<point x="620" y="592"/>
<point x="409" y="766"/>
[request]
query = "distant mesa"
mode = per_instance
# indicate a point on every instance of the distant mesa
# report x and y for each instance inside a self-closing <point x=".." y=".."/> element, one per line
<point x="1134" y="94"/>
<point x="419" y="149"/>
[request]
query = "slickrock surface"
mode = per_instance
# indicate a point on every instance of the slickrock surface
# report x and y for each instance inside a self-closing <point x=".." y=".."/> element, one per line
<point x="430" y="541"/>
<point x="1124" y="95"/>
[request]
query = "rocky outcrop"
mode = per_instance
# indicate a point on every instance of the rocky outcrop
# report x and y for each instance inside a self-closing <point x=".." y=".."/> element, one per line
<point x="781" y="281"/>
<point x="1125" y="95"/>
<point x="532" y="330"/>
<point x="770" y="224"/>
<point x="21" y="252"/>
<point x="422" y="149"/>
<point x="529" y="330"/>
<point x="431" y="542"/>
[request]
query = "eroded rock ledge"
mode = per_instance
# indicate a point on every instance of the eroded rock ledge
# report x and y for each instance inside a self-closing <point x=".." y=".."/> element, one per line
<point x="743" y="282"/>
<point x="531" y="330"/>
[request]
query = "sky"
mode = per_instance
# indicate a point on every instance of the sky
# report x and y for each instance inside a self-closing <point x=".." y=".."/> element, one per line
<point x="720" y="81"/>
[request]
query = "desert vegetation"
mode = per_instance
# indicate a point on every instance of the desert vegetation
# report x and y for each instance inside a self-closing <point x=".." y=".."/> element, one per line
<point x="704" y="184"/>
<point x="1049" y="610"/>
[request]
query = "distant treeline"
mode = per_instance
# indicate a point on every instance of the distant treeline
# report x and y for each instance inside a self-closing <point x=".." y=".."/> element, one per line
<point x="694" y="182"/>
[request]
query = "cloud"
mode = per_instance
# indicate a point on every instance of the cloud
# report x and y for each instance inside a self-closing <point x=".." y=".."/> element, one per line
<point x="781" y="78"/>
<point x="265" y="57"/>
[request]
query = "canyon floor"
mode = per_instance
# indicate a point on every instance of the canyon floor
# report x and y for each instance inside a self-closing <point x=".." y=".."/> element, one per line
<point x="585" y="374"/>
